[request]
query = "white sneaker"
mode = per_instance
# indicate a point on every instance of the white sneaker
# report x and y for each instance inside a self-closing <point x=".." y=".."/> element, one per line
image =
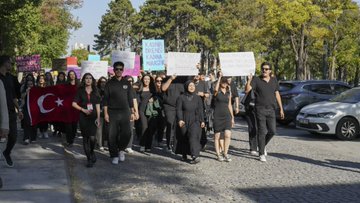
<point x="262" y="158"/>
<point x="254" y="153"/>
<point x="265" y="152"/>
<point x="115" y="161"/>
<point x="142" y="149"/>
<point x="2" y="140"/>
<point x="27" y="141"/>
<point x="46" y="136"/>
<point x="101" y="149"/>
<point x="129" y="150"/>
<point x="122" y="156"/>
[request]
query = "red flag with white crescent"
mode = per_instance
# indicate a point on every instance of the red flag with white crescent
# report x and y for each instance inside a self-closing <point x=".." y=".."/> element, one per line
<point x="52" y="104"/>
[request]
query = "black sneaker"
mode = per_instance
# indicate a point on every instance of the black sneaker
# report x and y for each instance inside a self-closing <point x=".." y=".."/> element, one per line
<point x="8" y="160"/>
<point x="195" y="160"/>
<point x="89" y="164"/>
<point x="93" y="157"/>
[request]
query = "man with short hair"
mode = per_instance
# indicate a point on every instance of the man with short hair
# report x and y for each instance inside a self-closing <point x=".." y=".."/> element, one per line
<point x="12" y="106"/>
<point x="266" y="90"/>
<point x="118" y="111"/>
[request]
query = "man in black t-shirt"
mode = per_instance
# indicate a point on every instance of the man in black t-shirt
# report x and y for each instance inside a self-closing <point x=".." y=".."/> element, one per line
<point x="119" y="109"/>
<point x="266" y="90"/>
<point x="12" y="104"/>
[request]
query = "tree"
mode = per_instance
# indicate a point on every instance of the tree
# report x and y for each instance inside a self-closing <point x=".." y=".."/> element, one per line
<point x="81" y="55"/>
<point x="115" y="28"/>
<point x="37" y="27"/>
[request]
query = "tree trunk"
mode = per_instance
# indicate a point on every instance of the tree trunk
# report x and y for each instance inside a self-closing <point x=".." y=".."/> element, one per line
<point x="356" y="78"/>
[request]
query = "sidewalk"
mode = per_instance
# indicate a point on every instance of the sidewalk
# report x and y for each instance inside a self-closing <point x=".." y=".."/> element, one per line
<point x="39" y="174"/>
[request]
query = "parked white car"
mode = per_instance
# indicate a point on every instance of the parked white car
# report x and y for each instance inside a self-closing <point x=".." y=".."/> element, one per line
<point x="340" y="116"/>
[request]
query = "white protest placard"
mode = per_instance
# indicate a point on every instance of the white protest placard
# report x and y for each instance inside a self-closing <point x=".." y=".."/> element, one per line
<point x="237" y="63"/>
<point x="181" y="63"/>
<point x="96" y="68"/>
<point x="128" y="58"/>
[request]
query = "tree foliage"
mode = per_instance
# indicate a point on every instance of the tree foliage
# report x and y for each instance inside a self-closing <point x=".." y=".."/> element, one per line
<point x="304" y="39"/>
<point x="115" y="28"/>
<point x="36" y="27"/>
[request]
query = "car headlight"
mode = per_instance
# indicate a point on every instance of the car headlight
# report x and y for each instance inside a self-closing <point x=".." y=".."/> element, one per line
<point x="327" y="115"/>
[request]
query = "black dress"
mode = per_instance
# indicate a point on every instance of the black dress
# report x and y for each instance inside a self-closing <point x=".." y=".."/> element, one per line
<point x="189" y="108"/>
<point x="222" y="115"/>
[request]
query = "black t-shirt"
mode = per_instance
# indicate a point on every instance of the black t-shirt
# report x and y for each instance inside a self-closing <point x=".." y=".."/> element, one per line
<point x="82" y="99"/>
<point x="265" y="92"/>
<point x="10" y="91"/>
<point x="119" y="95"/>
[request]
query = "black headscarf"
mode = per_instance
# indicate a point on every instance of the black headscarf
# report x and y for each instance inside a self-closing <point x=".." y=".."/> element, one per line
<point x="188" y="94"/>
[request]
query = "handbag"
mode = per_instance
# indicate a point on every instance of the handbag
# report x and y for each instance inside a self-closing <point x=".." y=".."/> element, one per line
<point x="249" y="99"/>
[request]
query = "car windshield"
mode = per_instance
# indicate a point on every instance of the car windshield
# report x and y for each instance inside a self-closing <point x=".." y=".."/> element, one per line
<point x="284" y="86"/>
<point x="349" y="96"/>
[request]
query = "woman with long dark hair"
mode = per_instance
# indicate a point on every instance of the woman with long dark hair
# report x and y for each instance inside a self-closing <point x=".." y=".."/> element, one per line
<point x="71" y="128"/>
<point x="161" y="117"/>
<point x="190" y="118"/>
<point x="29" y="130"/>
<point x="43" y="127"/>
<point x="61" y="78"/>
<point x="223" y="117"/>
<point x="101" y="133"/>
<point x="87" y="101"/>
<point x="146" y="93"/>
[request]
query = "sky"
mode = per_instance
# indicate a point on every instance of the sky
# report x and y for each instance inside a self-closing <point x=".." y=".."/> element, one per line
<point x="90" y="17"/>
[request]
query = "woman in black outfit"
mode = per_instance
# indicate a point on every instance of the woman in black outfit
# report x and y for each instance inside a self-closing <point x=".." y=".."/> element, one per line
<point x="59" y="126"/>
<point x="101" y="136"/>
<point x="190" y="117"/>
<point x="161" y="118"/>
<point x="145" y="92"/>
<point x="43" y="126"/>
<point x="71" y="128"/>
<point x="29" y="130"/>
<point x="223" y="117"/>
<point x="87" y="101"/>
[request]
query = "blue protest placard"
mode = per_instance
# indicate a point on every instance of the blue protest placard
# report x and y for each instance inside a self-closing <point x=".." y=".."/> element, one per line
<point x="93" y="57"/>
<point x="153" y="55"/>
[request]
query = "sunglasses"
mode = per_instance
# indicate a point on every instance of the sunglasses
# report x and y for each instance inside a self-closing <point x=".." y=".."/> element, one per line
<point x="158" y="80"/>
<point x="118" y="69"/>
<point x="265" y="69"/>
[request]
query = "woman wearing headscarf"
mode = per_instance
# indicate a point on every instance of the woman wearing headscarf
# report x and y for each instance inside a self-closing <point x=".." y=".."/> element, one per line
<point x="190" y="118"/>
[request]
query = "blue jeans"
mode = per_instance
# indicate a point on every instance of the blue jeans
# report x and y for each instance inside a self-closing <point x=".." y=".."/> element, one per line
<point x="266" y="122"/>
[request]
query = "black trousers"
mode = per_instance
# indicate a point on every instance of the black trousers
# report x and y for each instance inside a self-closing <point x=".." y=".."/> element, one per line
<point x="29" y="131"/>
<point x="70" y="129"/>
<point x="12" y="133"/>
<point x="119" y="131"/>
<point x="88" y="132"/>
<point x="266" y="122"/>
<point x="146" y="139"/>
<point x="160" y="129"/>
<point x="250" y="117"/>
<point x="170" y="114"/>
<point x="43" y="127"/>
<point x="189" y="139"/>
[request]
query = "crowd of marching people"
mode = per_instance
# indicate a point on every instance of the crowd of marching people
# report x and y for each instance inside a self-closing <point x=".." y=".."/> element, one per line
<point x="178" y="112"/>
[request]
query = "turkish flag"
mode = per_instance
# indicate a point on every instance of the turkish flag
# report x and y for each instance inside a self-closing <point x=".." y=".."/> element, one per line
<point x="52" y="104"/>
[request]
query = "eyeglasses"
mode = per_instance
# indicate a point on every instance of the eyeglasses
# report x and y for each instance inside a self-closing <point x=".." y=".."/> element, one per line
<point x="265" y="69"/>
<point x="118" y="69"/>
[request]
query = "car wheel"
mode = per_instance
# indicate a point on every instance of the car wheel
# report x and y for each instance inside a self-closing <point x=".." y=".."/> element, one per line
<point x="284" y="122"/>
<point x="347" y="129"/>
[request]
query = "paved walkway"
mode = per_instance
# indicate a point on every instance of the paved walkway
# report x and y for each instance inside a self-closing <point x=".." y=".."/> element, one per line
<point x="299" y="169"/>
<point x="39" y="174"/>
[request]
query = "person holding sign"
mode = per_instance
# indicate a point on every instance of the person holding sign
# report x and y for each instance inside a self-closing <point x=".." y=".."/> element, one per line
<point x="172" y="88"/>
<point x="266" y="90"/>
<point x="223" y="117"/>
<point x="87" y="101"/>
<point x="118" y="100"/>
